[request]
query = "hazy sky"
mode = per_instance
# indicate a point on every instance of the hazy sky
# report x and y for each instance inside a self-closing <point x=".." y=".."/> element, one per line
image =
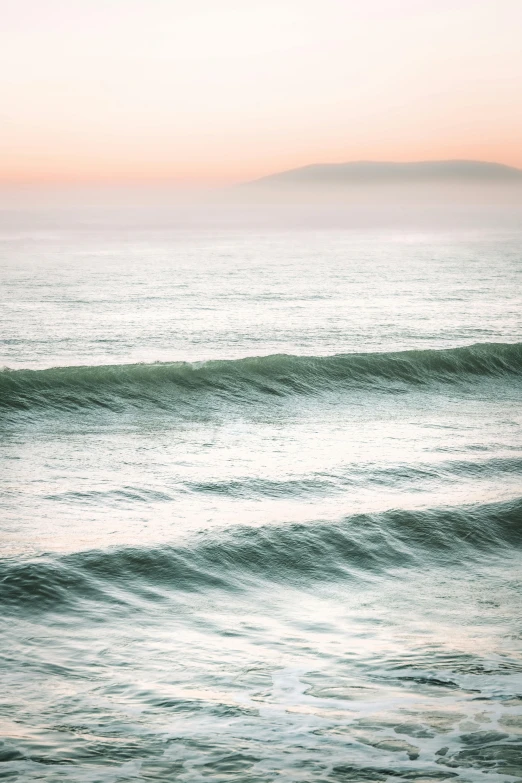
<point x="225" y="90"/>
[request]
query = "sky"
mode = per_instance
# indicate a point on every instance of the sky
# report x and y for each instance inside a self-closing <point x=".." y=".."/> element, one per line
<point x="221" y="91"/>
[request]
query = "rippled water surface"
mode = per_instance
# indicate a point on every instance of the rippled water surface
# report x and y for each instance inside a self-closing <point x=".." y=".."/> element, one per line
<point x="261" y="508"/>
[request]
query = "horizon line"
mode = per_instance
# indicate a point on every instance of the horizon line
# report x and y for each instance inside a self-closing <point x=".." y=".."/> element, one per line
<point x="216" y="181"/>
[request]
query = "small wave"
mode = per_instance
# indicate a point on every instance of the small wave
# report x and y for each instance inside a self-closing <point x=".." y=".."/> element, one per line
<point x="356" y="475"/>
<point x="358" y="547"/>
<point x="179" y="385"/>
<point x="113" y="496"/>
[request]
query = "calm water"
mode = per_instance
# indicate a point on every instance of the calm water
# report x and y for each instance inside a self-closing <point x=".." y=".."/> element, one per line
<point x="261" y="506"/>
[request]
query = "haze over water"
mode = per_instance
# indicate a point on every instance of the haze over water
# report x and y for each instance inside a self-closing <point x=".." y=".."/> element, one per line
<point x="261" y="510"/>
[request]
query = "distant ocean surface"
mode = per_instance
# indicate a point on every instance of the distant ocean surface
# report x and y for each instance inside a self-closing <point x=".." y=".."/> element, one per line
<point x="261" y="506"/>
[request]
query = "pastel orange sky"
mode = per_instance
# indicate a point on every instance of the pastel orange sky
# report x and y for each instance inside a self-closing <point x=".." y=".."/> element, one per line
<point x="224" y="90"/>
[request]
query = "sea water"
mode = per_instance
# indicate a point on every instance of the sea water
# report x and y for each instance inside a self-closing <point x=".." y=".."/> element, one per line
<point x="261" y="505"/>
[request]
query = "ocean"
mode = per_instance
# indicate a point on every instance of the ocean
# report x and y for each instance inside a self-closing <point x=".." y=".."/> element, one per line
<point x="261" y="505"/>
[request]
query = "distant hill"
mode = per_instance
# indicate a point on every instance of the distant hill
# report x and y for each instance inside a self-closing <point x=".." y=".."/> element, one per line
<point x="372" y="172"/>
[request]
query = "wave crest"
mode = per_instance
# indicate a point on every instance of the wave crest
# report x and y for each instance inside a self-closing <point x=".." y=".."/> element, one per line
<point x="359" y="546"/>
<point x="178" y="384"/>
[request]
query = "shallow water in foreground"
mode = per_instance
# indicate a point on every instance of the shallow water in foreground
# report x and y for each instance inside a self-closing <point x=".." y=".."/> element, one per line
<point x="304" y="565"/>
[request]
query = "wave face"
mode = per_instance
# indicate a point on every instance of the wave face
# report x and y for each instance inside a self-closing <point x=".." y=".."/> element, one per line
<point x="298" y="554"/>
<point x="170" y="385"/>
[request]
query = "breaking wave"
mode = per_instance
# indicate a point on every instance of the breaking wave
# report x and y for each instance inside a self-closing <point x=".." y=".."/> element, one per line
<point x="173" y="385"/>
<point x="360" y="546"/>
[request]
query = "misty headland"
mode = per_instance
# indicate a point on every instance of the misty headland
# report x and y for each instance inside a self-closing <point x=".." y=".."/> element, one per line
<point x="446" y="194"/>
